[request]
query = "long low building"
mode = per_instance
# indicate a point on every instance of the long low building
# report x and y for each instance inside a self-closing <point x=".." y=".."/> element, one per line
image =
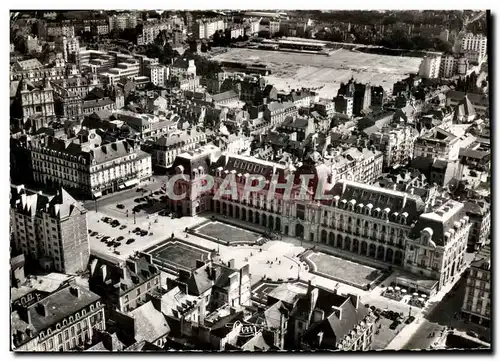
<point x="427" y="236"/>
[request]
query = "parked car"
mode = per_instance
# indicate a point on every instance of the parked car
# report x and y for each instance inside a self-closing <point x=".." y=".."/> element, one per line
<point x="130" y="240"/>
<point x="138" y="190"/>
<point x="90" y="231"/>
<point x="122" y="227"/>
<point x="410" y="320"/>
<point x="137" y="229"/>
<point x="115" y="223"/>
<point x="93" y="234"/>
<point x="143" y="233"/>
<point x="120" y="238"/>
<point x="116" y="252"/>
<point x="120" y="206"/>
<point x="106" y="219"/>
<point x="117" y="244"/>
<point x="100" y="235"/>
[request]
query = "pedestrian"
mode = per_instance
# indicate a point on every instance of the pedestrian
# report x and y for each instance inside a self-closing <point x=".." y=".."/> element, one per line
<point x="279" y="262"/>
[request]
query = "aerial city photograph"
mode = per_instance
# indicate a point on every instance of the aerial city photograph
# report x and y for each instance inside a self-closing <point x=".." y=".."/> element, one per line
<point x="249" y="180"/>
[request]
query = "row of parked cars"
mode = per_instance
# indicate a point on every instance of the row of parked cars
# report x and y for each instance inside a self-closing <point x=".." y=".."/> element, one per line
<point x="395" y="317"/>
<point x="113" y="222"/>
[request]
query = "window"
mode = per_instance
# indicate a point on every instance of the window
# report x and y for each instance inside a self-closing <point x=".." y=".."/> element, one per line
<point x="59" y="338"/>
<point x="66" y="334"/>
<point x="138" y="292"/>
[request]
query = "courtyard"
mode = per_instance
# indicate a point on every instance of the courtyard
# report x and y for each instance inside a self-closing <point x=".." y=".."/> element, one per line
<point x="325" y="73"/>
<point x="342" y="270"/>
<point x="227" y="234"/>
<point x="178" y="254"/>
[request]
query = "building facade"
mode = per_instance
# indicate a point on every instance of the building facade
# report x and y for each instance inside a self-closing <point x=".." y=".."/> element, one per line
<point x="63" y="321"/>
<point x="475" y="44"/>
<point x="479" y="213"/>
<point x="367" y="220"/>
<point x="438" y="143"/>
<point x="87" y="166"/>
<point x="429" y="68"/>
<point x="395" y="143"/>
<point x="122" y="21"/>
<point x="477" y="302"/>
<point x="50" y="229"/>
<point x="124" y="286"/>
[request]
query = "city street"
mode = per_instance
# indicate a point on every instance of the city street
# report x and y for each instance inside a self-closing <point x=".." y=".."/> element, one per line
<point x="442" y="315"/>
<point x="119" y="197"/>
<point x="438" y="313"/>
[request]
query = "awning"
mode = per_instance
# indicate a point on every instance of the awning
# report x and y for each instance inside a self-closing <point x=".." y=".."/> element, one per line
<point x="97" y="194"/>
<point x="131" y="182"/>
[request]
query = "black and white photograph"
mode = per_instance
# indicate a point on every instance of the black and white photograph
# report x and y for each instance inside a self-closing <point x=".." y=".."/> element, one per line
<point x="249" y="180"/>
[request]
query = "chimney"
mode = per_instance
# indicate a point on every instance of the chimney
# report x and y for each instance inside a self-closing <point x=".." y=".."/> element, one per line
<point x="75" y="291"/>
<point x="338" y="312"/>
<point x="24" y="314"/>
<point x="213" y="273"/>
<point x="131" y="265"/>
<point x="184" y="275"/>
<point x="318" y="315"/>
<point x="199" y="263"/>
<point x="354" y="300"/>
<point x="104" y="271"/>
<point x="41" y="309"/>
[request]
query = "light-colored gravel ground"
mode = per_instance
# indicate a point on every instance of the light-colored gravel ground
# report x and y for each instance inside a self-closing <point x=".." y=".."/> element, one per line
<point x="294" y="70"/>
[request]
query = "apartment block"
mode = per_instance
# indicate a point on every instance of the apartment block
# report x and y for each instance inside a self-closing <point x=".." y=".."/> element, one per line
<point x="50" y="229"/>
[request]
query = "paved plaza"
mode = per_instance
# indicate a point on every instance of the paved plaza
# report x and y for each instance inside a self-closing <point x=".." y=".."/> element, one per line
<point x="342" y="270"/>
<point x="228" y="234"/>
<point x="274" y="261"/>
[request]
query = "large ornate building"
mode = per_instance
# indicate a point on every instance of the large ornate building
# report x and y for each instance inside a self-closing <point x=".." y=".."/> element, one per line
<point x="88" y="166"/>
<point x="33" y="104"/>
<point x="425" y="235"/>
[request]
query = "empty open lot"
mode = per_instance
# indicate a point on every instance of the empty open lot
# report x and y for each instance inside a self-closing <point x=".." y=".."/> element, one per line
<point x="294" y="70"/>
